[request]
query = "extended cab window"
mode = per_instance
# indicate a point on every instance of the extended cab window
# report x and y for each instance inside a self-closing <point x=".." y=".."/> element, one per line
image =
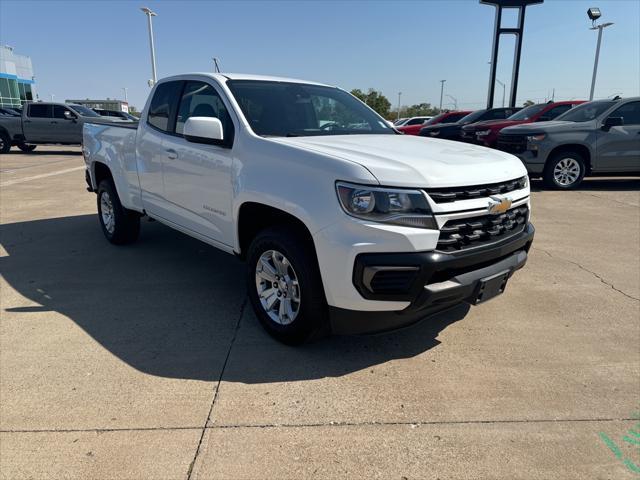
<point x="629" y="112"/>
<point x="200" y="99"/>
<point x="163" y="105"/>
<point x="39" y="111"/>
<point x="554" y="112"/>
<point x="415" y="121"/>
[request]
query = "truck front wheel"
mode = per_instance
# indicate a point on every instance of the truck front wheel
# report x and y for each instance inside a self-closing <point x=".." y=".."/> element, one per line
<point x="119" y="225"/>
<point x="564" y="171"/>
<point x="284" y="285"/>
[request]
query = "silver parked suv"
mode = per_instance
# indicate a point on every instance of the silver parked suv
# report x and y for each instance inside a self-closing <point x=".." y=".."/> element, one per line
<point x="593" y="138"/>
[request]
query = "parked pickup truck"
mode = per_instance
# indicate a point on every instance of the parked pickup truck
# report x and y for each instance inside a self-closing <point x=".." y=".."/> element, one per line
<point x="345" y="225"/>
<point x="601" y="137"/>
<point x="45" y="123"/>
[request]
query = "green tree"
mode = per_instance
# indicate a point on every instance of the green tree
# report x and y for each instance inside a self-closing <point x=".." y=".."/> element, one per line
<point x="419" y="110"/>
<point x="375" y="100"/>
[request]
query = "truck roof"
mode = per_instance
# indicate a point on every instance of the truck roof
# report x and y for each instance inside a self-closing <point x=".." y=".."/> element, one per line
<point x="223" y="77"/>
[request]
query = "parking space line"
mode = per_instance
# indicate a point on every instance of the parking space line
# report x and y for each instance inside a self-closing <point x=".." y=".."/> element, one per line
<point x="37" y="177"/>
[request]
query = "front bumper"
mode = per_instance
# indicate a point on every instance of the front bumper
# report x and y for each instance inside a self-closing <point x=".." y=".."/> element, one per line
<point x="440" y="281"/>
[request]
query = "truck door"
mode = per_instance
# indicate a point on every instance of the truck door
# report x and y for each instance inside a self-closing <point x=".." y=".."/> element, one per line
<point x="36" y="125"/>
<point x="65" y="128"/>
<point x="197" y="177"/>
<point x="618" y="149"/>
<point x="150" y="149"/>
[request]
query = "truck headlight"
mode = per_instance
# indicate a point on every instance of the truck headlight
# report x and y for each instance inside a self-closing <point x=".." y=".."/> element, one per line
<point x="394" y="206"/>
<point x="483" y="133"/>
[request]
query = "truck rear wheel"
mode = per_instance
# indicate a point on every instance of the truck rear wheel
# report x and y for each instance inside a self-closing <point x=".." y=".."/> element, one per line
<point x="5" y="142"/>
<point x="564" y="171"/>
<point x="119" y="225"/>
<point x="284" y="285"/>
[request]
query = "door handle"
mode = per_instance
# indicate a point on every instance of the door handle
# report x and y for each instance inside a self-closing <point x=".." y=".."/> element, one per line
<point x="171" y="154"/>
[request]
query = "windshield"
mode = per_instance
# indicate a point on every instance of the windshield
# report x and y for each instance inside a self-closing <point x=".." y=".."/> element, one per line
<point x="472" y="117"/>
<point x="586" y="111"/>
<point x="528" y="112"/>
<point x="84" y="111"/>
<point x="283" y="109"/>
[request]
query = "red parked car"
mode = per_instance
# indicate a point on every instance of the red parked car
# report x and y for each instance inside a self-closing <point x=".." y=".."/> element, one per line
<point x="486" y="133"/>
<point x="445" y="117"/>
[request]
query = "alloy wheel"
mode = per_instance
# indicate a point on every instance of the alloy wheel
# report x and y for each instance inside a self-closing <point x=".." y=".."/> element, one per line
<point x="106" y="211"/>
<point x="566" y="172"/>
<point x="278" y="287"/>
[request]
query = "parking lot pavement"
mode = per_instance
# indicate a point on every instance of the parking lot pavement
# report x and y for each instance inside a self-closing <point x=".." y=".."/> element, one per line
<point x="145" y="361"/>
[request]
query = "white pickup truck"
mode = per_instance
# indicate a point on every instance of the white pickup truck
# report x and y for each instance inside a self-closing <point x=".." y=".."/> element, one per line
<point x="346" y="226"/>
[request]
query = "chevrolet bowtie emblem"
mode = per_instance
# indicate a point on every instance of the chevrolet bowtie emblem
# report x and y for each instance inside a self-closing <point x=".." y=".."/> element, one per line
<point x="498" y="205"/>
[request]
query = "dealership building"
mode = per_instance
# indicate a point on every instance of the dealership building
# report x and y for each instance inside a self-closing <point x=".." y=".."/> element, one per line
<point x="16" y="78"/>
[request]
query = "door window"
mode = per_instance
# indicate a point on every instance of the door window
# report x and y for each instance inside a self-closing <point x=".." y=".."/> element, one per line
<point x="554" y="112"/>
<point x="630" y="113"/>
<point x="37" y="110"/>
<point x="200" y="99"/>
<point x="163" y="105"/>
<point x="58" y="111"/>
<point x="415" y="121"/>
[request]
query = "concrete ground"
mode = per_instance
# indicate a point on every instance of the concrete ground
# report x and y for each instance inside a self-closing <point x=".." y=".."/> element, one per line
<point x="146" y="362"/>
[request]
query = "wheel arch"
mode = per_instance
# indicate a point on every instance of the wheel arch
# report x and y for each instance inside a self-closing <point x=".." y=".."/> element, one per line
<point x="254" y="217"/>
<point x="579" y="148"/>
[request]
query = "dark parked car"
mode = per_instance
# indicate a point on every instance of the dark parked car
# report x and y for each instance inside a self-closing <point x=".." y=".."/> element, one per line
<point x="453" y="131"/>
<point x="601" y="137"/>
<point x="115" y="114"/>
<point x="486" y="133"/>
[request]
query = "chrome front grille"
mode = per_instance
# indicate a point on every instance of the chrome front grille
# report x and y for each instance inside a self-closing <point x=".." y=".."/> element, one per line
<point x="464" y="233"/>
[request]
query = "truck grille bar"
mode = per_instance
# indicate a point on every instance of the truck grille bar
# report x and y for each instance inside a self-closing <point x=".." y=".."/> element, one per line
<point x="451" y="194"/>
<point x="460" y="234"/>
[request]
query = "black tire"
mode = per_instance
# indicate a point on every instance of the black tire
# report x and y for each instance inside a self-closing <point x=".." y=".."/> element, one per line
<point x="26" y="148"/>
<point x="551" y="178"/>
<point x="125" y="227"/>
<point x="311" y="320"/>
<point x="5" y="142"/>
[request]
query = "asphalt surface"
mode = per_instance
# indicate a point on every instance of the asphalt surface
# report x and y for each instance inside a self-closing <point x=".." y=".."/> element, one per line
<point x="145" y="361"/>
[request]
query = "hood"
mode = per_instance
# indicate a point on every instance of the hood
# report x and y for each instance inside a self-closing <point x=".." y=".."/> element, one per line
<point x="440" y="126"/>
<point x="552" y="125"/>
<point x="410" y="161"/>
<point x="493" y="124"/>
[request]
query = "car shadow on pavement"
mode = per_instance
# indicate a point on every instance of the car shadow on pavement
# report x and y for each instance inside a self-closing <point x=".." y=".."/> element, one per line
<point x="170" y="305"/>
<point x="38" y="151"/>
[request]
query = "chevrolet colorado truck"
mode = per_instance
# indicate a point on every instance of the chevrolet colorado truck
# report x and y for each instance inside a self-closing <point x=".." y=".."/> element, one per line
<point x="595" y="138"/>
<point x="345" y="225"/>
<point x="44" y="123"/>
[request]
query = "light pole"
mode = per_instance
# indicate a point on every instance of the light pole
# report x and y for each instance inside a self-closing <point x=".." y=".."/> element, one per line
<point x="441" y="92"/>
<point x="149" y="13"/>
<point x="52" y="95"/>
<point x="503" y="90"/>
<point x="125" y="94"/>
<point x="399" y="95"/>
<point x="594" y="14"/>
<point x="216" y="64"/>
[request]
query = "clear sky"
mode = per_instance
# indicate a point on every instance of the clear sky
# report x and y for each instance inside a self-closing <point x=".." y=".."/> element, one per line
<point x="92" y="49"/>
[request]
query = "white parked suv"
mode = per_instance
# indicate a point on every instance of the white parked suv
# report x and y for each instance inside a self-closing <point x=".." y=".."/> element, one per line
<point x="345" y="225"/>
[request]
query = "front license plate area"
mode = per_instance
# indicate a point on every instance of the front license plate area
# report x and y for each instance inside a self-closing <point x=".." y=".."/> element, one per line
<point x="491" y="287"/>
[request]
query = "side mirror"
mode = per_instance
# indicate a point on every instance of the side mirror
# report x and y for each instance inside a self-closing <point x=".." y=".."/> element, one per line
<point x="203" y="130"/>
<point x="612" y="122"/>
<point x="68" y="115"/>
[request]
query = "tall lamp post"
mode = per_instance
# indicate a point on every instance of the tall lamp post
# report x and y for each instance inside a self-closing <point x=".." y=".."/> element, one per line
<point x="149" y="13"/>
<point x="399" y="95"/>
<point x="594" y="14"/>
<point x="441" y="92"/>
<point x="126" y="99"/>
